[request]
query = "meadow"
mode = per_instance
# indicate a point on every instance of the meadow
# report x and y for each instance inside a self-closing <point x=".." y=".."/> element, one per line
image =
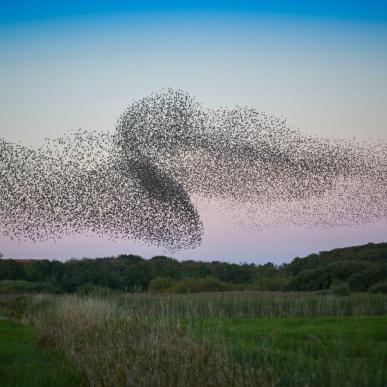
<point x="208" y="339"/>
<point x="24" y="363"/>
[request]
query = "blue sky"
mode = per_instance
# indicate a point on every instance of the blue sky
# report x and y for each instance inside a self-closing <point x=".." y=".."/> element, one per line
<point x="325" y="74"/>
<point x="14" y="11"/>
<point x="78" y="64"/>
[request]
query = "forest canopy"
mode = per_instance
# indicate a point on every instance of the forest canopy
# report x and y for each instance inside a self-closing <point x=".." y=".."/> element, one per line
<point x="356" y="269"/>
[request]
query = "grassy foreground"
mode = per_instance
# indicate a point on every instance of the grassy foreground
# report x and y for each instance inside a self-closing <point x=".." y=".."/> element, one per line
<point x="217" y="339"/>
<point x="308" y="351"/>
<point x="23" y="363"/>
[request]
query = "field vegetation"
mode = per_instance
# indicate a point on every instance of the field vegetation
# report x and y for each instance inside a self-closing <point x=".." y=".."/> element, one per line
<point x="214" y="339"/>
<point x="126" y="321"/>
<point x="24" y="362"/>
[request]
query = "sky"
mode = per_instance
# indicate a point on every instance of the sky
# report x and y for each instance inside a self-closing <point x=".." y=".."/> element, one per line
<point x="78" y="64"/>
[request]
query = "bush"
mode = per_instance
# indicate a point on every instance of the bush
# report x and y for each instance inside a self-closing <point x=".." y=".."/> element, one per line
<point x="10" y="286"/>
<point x="91" y="289"/>
<point x="194" y="285"/>
<point x="381" y="287"/>
<point x="340" y="289"/>
<point x="161" y="285"/>
<point x="188" y="285"/>
<point x="310" y="280"/>
<point x="270" y="283"/>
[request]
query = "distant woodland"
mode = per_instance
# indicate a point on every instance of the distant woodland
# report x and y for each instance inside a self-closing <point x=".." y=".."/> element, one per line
<point x="340" y="271"/>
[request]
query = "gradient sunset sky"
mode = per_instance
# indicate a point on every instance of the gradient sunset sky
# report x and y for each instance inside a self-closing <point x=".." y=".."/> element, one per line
<point x="78" y="64"/>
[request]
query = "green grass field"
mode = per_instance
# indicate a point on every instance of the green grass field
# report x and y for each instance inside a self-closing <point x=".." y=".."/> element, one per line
<point x="307" y="350"/>
<point x="23" y="363"/>
<point x="233" y="339"/>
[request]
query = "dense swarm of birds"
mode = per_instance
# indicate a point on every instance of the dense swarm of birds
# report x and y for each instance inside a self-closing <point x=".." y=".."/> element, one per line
<point x="168" y="152"/>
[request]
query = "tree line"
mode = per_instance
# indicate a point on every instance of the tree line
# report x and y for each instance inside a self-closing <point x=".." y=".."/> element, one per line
<point x="359" y="268"/>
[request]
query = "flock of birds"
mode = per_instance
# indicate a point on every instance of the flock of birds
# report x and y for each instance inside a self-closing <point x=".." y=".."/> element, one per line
<point x="169" y="152"/>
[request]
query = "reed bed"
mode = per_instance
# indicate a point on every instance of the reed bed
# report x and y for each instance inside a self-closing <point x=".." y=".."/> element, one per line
<point x="186" y="340"/>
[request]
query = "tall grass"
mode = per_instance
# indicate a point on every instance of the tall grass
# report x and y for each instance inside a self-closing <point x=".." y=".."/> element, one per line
<point x="181" y="340"/>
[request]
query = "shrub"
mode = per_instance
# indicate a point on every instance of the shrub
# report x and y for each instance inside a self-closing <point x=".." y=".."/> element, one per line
<point x="91" y="289"/>
<point x="161" y="285"/>
<point x="11" y="286"/>
<point x="380" y="287"/>
<point x="310" y="280"/>
<point x="188" y="285"/>
<point x="207" y="284"/>
<point x="270" y="283"/>
<point x="340" y="288"/>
